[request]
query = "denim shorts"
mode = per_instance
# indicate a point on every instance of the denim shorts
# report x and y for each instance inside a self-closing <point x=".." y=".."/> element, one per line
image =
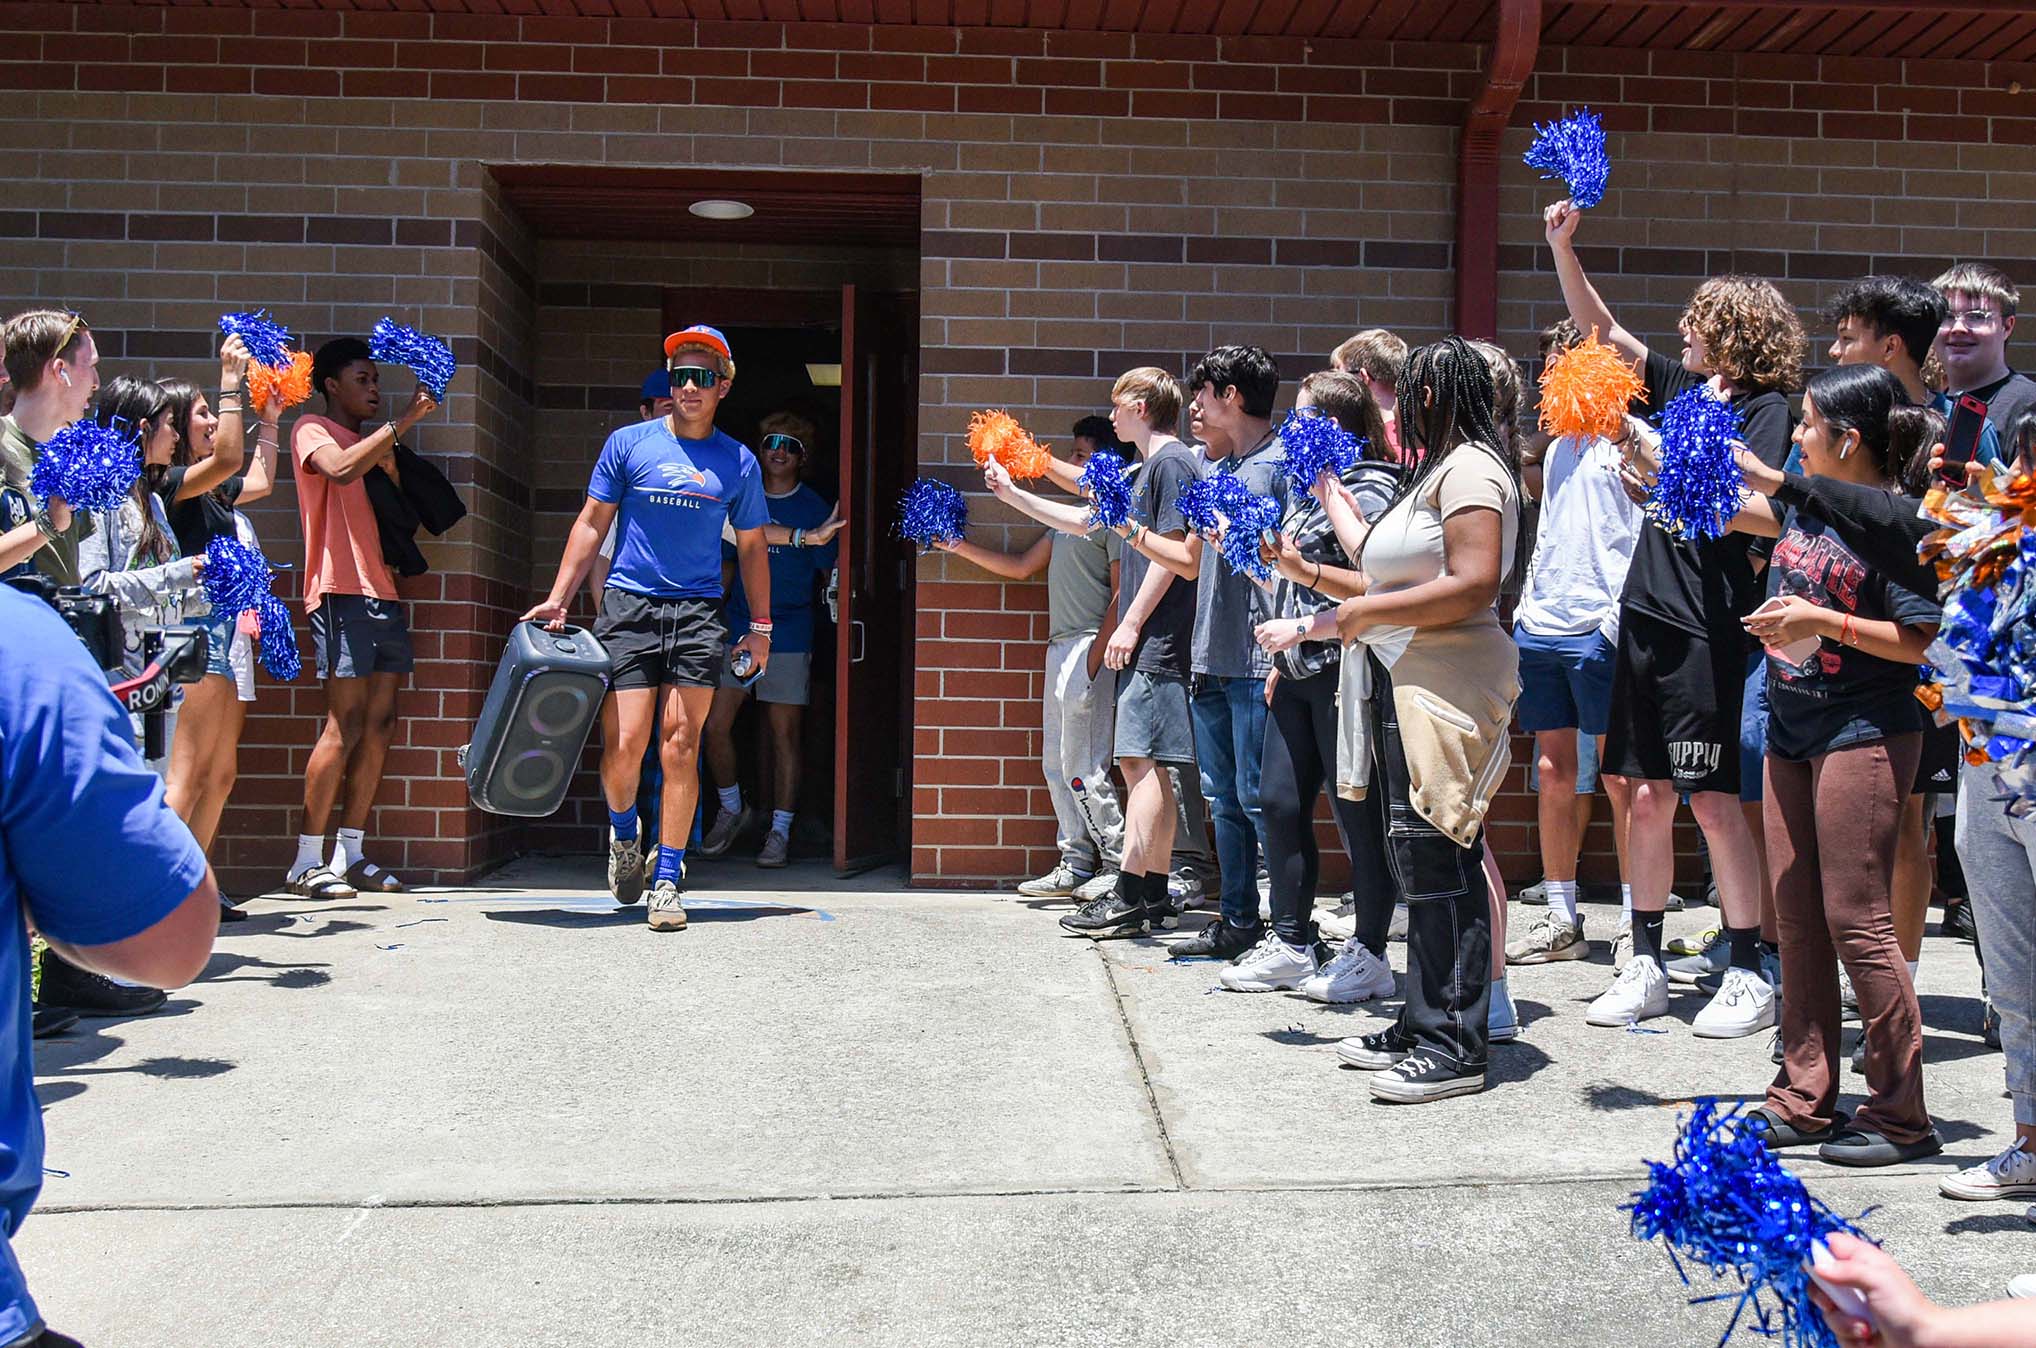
<point x="1565" y="681"/>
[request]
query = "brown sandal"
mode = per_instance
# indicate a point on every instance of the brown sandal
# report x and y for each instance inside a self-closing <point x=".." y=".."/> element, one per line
<point x="319" y="883"/>
<point x="369" y="878"/>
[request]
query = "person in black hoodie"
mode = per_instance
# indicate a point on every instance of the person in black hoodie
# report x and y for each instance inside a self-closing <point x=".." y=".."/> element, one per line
<point x="1681" y="665"/>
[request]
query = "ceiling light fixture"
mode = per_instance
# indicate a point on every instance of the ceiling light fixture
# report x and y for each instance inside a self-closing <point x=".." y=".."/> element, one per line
<point x="823" y="376"/>
<point x="717" y="209"/>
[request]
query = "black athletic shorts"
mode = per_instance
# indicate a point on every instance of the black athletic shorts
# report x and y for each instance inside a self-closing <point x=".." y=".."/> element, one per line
<point x="1943" y="751"/>
<point x="1675" y="707"/>
<point x="655" y="642"/>
<point x="355" y="635"/>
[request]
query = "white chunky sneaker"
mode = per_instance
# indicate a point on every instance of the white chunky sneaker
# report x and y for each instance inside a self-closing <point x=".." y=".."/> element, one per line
<point x="667" y="907"/>
<point x="1338" y="923"/>
<point x="1397" y="931"/>
<point x="1548" y="940"/>
<point x="1355" y="975"/>
<point x="1744" y="1005"/>
<point x="1095" y="887"/>
<point x="1270" y="966"/>
<point x="1502" y="1018"/>
<point x="625" y="869"/>
<point x="1058" y="883"/>
<point x="1640" y="992"/>
<point x="2012" y="1174"/>
<point x="1622" y="944"/>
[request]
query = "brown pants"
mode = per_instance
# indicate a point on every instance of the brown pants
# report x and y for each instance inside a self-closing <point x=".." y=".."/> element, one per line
<point x="1831" y="829"/>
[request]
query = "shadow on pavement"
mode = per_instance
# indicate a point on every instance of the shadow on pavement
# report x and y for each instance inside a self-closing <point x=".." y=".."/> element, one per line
<point x="1607" y="1096"/>
<point x="633" y="915"/>
<point x="231" y="967"/>
<point x="1991" y="1223"/>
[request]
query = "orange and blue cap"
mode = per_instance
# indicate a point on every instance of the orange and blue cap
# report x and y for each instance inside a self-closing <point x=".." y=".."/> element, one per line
<point x="698" y="335"/>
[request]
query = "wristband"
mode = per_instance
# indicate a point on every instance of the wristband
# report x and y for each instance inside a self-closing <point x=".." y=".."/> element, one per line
<point x="798" y="538"/>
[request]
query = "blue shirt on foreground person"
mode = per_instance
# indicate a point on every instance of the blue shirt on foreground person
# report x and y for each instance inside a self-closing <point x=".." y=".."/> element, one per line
<point x="672" y="496"/>
<point x="92" y="856"/>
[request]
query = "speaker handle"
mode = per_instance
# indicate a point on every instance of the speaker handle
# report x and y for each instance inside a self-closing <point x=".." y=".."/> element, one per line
<point x="555" y="631"/>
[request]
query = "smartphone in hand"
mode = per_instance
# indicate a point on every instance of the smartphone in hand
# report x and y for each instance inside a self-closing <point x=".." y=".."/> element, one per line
<point x="1961" y="439"/>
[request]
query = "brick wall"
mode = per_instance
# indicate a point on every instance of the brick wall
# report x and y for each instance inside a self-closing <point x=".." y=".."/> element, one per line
<point x="1090" y="201"/>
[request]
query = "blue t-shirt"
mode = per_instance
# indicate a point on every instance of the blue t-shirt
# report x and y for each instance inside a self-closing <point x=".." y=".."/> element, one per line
<point x="87" y="848"/>
<point x="674" y="495"/>
<point x="793" y="571"/>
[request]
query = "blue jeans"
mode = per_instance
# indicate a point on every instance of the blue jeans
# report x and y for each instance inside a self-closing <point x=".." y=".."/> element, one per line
<point x="1229" y="744"/>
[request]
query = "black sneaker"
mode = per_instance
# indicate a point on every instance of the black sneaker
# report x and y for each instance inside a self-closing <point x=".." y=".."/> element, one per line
<point x="229" y="913"/>
<point x="1990" y="1025"/>
<point x="1111" y="916"/>
<point x="1774" y="1044"/>
<point x="1859" y="1057"/>
<point x="51" y="1339"/>
<point x="50" y="1020"/>
<point x="1376" y="1051"/>
<point x="1958" y="922"/>
<point x="69" y="988"/>
<point x="1218" y="940"/>
<point x="1421" y="1077"/>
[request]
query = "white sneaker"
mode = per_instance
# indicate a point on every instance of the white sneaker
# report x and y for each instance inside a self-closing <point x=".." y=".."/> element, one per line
<point x="2012" y="1174"/>
<point x="1548" y="940"/>
<point x="1502" y="1019"/>
<point x="1270" y="966"/>
<point x="1355" y="975"/>
<point x="1095" y="887"/>
<point x="1398" y="930"/>
<point x="777" y="848"/>
<point x="1640" y="992"/>
<point x="625" y="869"/>
<point x="1338" y="923"/>
<point x="1622" y="945"/>
<point x="727" y="828"/>
<point x="667" y="907"/>
<point x="1185" y="890"/>
<point x="1744" y="1005"/>
<point x="1058" y="883"/>
<point x="2022" y="1287"/>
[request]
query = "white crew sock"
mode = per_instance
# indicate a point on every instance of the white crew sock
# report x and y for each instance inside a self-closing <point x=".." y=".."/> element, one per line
<point x="731" y="799"/>
<point x="346" y="852"/>
<point x="310" y="852"/>
<point x="781" y="822"/>
<point x="1561" y="899"/>
<point x="1625" y="903"/>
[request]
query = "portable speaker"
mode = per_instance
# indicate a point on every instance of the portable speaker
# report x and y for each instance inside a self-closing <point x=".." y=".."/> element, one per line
<point x="543" y="704"/>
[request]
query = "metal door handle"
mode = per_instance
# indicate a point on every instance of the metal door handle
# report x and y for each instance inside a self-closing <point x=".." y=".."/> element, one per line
<point x="857" y="642"/>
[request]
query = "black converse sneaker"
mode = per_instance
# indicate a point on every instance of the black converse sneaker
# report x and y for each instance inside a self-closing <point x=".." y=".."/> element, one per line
<point x="1218" y="940"/>
<point x="1421" y="1077"/>
<point x="1112" y="915"/>
<point x="1376" y="1051"/>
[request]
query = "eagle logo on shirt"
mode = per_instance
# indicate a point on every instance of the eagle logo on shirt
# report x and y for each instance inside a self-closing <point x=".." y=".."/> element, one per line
<point x="682" y="475"/>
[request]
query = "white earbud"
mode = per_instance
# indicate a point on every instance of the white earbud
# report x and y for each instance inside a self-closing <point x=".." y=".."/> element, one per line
<point x="65" y="375"/>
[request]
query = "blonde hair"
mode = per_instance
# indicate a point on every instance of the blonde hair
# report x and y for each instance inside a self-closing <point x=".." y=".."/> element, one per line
<point x="1158" y="390"/>
<point x="1507" y="380"/>
<point x="725" y="364"/>
<point x="1981" y="279"/>
<point x="788" y="423"/>
<point x="34" y="338"/>
<point x="1750" y="333"/>
<point x="1374" y="353"/>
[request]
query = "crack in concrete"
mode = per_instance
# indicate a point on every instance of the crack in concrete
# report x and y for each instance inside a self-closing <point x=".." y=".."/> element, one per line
<point x="1166" y="1141"/>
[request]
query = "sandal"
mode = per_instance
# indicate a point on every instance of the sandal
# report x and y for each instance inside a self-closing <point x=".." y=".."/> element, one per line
<point x="369" y="878"/>
<point x="1774" y="1134"/>
<point x="319" y="883"/>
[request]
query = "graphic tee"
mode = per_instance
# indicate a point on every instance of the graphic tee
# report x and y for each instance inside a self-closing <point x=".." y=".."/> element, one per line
<point x="673" y="495"/>
<point x="1839" y="695"/>
<point x="1156" y="503"/>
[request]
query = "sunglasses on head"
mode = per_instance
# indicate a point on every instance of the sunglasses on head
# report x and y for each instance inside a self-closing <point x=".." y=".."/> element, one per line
<point x="699" y="376"/>
<point x="791" y="444"/>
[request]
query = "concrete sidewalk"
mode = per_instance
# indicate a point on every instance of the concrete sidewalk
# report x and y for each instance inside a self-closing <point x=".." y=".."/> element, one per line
<point x="847" y="1113"/>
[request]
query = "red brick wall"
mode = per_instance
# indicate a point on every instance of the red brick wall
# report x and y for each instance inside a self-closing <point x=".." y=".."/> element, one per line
<point x="1089" y="201"/>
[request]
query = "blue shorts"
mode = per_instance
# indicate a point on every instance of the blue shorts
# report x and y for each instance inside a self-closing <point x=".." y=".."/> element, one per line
<point x="220" y="629"/>
<point x="1586" y="766"/>
<point x="1753" y="730"/>
<point x="1565" y="682"/>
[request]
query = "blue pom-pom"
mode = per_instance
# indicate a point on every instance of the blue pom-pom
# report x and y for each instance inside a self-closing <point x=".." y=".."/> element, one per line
<point x="424" y="354"/>
<point x="1573" y="150"/>
<point x="931" y="511"/>
<point x="1700" y="485"/>
<point x="239" y="578"/>
<point x="1250" y="519"/>
<point x="1202" y="500"/>
<point x="1727" y="1205"/>
<point x="267" y="341"/>
<point x="1107" y="481"/>
<point x="1314" y="446"/>
<point x="92" y="467"/>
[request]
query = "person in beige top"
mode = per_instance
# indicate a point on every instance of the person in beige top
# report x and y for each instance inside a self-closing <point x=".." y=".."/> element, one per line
<point x="1429" y="710"/>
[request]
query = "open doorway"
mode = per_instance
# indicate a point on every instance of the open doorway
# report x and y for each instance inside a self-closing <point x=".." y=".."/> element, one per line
<point x="816" y="292"/>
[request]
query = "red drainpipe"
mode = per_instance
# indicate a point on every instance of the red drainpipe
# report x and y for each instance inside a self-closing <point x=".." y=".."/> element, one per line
<point x="1477" y="167"/>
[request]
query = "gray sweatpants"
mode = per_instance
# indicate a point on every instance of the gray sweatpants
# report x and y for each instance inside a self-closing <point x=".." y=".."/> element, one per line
<point x="1999" y="856"/>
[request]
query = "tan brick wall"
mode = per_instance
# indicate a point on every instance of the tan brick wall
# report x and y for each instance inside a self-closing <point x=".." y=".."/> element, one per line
<point x="1090" y="201"/>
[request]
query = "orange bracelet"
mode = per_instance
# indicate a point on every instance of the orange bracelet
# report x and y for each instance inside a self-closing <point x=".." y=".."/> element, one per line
<point x="1845" y="633"/>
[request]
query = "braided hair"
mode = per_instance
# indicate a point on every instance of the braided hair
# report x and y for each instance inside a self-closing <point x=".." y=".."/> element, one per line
<point x="1447" y="399"/>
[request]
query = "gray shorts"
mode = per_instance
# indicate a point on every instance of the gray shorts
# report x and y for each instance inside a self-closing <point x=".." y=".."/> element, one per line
<point x="787" y="678"/>
<point x="1152" y="718"/>
<point x="356" y="635"/>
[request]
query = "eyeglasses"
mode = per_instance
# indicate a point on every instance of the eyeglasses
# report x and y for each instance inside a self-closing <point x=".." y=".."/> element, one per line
<point x="1307" y="413"/>
<point x="699" y="376"/>
<point x="791" y="444"/>
<point x="1972" y="318"/>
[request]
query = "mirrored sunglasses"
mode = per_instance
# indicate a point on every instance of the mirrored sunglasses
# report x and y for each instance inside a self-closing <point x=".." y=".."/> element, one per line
<point x="791" y="444"/>
<point x="699" y="376"/>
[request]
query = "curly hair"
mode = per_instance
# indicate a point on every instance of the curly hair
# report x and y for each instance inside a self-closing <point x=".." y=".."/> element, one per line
<point x="1752" y="335"/>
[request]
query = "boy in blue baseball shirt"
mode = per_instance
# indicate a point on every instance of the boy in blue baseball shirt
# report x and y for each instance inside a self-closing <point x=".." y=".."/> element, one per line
<point x="670" y="485"/>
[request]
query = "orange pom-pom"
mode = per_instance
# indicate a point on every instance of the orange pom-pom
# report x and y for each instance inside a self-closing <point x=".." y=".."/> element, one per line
<point x="1586" y="389"/>
<point x="293" y="385"/>
<point x="997" y="435"/>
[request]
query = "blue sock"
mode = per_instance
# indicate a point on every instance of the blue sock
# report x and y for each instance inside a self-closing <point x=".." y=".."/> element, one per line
<point x="624" y="824"/>
<point x="671" y="863"/>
